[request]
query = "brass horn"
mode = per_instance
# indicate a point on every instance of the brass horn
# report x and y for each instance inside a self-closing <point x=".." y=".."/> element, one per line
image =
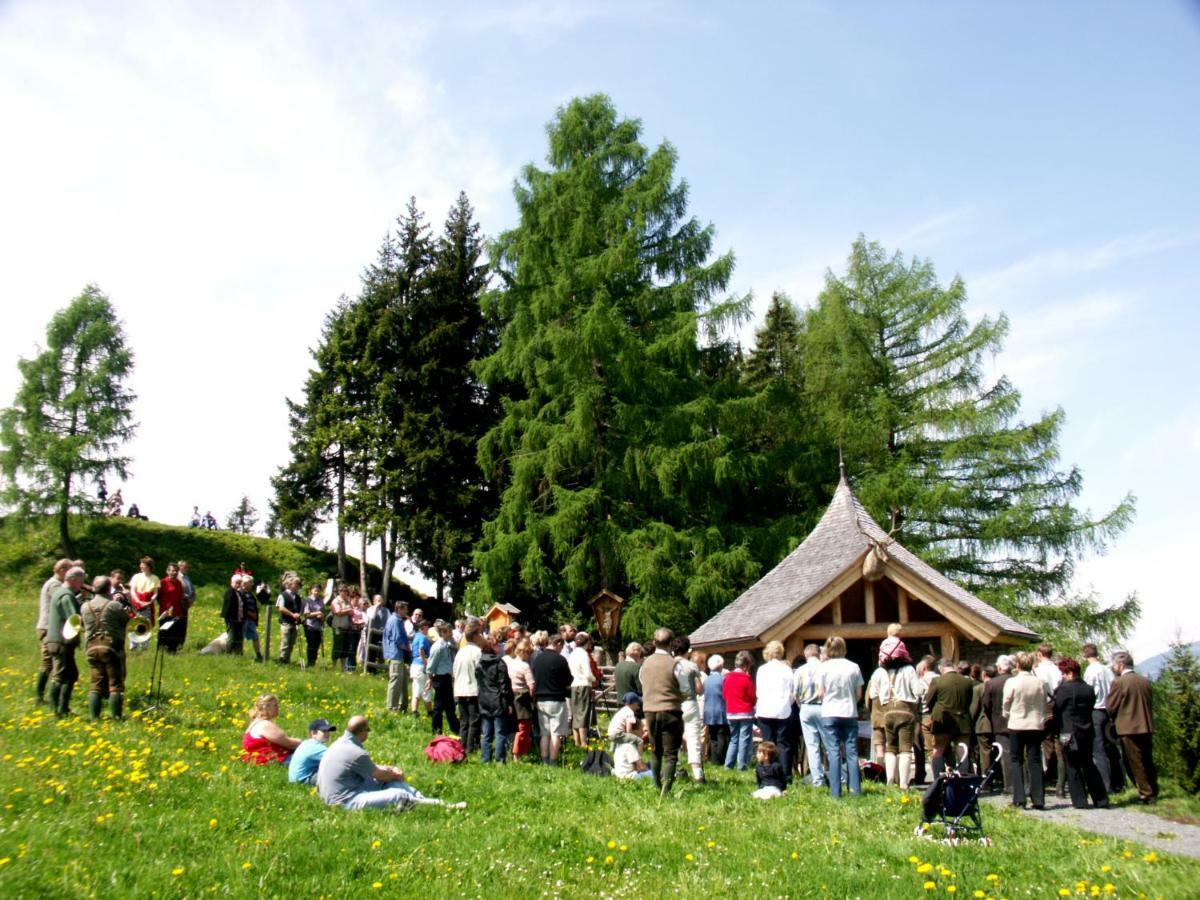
<point x="139" y="631"/>
<point x="71" y="628"/>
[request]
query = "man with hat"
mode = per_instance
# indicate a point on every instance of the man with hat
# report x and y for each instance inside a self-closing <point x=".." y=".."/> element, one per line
<point x="63" y="671"/>
<point x="306" y="758"/>
<point x="104" y="622"/>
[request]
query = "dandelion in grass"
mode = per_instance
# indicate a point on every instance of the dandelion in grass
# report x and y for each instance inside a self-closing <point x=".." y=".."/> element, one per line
<point x="246" y="865"/>
<point x="609" y="860"/>
<point x="177" y="871"/>
<point x="924" y="867"/>
<point x="590" y="860"/>
<point x="951" y="889"/>
<point x="612" y="845"/>
<point x="1150" y="857"/>
<point x="930" y="886"/>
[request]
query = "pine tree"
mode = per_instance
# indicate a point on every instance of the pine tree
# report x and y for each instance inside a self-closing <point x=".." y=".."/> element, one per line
<point x="607" y="447"/>
<point x="897" y="374"/>
<point x="71" y="415"/>
<point x="243" y="517"/>
<point x="1179" y="686"/>
<point x="446" y="409"/>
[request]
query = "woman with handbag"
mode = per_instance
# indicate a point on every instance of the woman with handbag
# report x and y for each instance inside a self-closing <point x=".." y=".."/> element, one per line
<point x="1074" y="701"/>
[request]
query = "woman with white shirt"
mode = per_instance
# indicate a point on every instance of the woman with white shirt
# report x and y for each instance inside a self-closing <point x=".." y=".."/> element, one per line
<point x="773" y="687"/>
<point x="691" y="684"/>
<point x="1025" y="704"/>
<point x="841" y="690"/>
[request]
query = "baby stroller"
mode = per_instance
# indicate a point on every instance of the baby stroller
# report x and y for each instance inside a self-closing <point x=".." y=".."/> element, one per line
<point x="952" y="803"/>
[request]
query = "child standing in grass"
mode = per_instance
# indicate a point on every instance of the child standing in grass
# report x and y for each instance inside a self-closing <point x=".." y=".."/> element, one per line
<point x="772" y="779"/>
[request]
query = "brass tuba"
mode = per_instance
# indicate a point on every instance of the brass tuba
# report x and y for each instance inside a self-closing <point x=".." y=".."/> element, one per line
<point x="140" y="631"/>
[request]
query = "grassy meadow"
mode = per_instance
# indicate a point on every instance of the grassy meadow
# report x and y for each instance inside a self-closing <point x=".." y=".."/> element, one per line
<point x="159" y="805"/>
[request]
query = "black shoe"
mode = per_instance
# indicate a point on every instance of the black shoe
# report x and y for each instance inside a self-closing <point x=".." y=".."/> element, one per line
<point x="1038" y="806"/>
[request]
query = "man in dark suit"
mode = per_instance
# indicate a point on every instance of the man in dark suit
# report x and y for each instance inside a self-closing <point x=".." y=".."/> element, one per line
<point x="949" y="702"/>
<point x="993" y="711"/>
<point x="1130" y="707"/>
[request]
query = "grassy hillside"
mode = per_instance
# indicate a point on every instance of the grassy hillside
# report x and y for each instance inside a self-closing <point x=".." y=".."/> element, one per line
<point x="160" y="805"/>
<point x="28" y="551"/>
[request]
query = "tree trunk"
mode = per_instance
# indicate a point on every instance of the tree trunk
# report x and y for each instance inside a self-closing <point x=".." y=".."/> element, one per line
<point x="341" y="510"/>
<point x="441" y="586"/>
<point x="64" y="533"/>
<point x="362" y="566"/>
<point x="384" y="569"/>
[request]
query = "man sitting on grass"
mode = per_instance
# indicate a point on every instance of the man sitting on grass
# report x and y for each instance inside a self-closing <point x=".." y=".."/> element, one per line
<point x="349" y="777"/>
<point x="306" y="758"/>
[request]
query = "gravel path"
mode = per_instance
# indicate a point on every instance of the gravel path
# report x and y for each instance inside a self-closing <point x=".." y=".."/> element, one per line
<point x="1124" y="822"/>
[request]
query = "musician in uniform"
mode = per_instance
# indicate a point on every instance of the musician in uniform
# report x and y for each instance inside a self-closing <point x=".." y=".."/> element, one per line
<point x="105" y="621"/>
<point x="61" y="648"/>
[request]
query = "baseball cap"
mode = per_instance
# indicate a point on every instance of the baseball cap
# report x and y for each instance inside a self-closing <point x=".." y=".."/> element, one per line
<point x="631" y="697"/>
<point x="320" y="725"/>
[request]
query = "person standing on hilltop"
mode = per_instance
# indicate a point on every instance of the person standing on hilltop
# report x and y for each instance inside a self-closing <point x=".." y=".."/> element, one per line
<point x="51" y="585"/>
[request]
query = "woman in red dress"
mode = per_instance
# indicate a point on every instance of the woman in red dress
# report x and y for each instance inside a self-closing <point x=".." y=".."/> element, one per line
<point x="172" y="611"/>
<point x="264" y="741"/>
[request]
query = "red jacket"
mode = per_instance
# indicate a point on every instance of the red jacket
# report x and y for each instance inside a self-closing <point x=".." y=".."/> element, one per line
<point x="738" y="690"/>
<point x="170" y="598"/>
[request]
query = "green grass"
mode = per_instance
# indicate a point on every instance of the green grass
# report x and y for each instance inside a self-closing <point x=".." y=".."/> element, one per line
<point x="160" y="806"/>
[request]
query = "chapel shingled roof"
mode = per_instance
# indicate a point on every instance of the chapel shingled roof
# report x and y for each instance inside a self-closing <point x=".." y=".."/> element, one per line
<point x="843" y="535"/>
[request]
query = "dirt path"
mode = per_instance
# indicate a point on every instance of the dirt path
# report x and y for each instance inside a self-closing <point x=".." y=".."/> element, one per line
<point x="1124" y="822"/>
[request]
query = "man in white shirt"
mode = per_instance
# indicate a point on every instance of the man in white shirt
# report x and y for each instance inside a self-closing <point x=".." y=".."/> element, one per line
<point x="466" y="685"/>
<point x="579" y="661"/>
<point x="807" y="681"/>
<point x="1048" y="674"/>
<point x="52" y="584"/>
<point x="1105" y="752"/>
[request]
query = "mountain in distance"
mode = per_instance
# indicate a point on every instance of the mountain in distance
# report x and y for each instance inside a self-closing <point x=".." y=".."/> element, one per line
<point x="1155" y="664"/>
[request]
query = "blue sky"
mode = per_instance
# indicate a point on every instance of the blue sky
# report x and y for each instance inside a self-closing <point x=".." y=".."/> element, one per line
<point x="224" y="171"/>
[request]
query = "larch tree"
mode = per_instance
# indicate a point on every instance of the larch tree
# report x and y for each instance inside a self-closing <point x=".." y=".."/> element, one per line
<point x="72" y="414"/>
<point x="606" y="446"/>
<point x="897" y="374"/>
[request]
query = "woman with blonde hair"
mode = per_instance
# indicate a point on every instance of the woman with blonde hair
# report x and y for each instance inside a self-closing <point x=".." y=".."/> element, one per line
<point x="521" y="675"/>
<point x="264" y="741"/>
<point x="841" y="688"/>
<point x="773" y="707"/>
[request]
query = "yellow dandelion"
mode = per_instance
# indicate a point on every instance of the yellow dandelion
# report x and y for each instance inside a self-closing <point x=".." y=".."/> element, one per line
<point x="914" y="860"/>
<point x="212" y="823"/>
<point x="951" y="889"/>
<point x="1110" y="888"/>
<point x="1150" y="857"/>
<point x="690" y="858"/>
<point x="590" y="860"/>
<point x="376" y="844"/>
<point x="612" y="845"/>
<point x="924" y="867"/>
<point x="1106" y="869"/>
<point x="1064" y="892"/>
<point x="795" y="855"/>
<point x="979" y="894"/>
<point x="245" y="866"/>
<point x="993" y="878"/>
<point x="930" y="886"/>
<point x="377" y="885"/>
<point x="1128" y="854"/>
<point x="711" y="844"/>
<point x="608" y="860"/>
<point x="177" y="871"/>
<point x="904" y="798"/>
<point x="624" y="847"/>
<point x="5" y="861"/>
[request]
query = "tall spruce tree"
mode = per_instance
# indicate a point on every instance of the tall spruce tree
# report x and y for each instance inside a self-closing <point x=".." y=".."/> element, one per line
<point x="72" y="414"/>
<point x="897" y="375"/>
<point x="446" y="409"/>
<point x="243" y="517"/>
<point x="607" y="447"/>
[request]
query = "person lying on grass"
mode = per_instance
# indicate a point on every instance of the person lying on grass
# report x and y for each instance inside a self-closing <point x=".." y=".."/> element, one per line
<point x="348" y="777"/>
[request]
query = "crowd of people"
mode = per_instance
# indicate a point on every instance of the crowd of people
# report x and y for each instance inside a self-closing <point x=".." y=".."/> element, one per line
<point x="100" y="615"/>
<point x="1042" y="719"/>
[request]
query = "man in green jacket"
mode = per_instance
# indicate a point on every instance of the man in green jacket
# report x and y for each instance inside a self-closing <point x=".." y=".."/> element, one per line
<point x="105" y="621"/>
<point x="949" y="700"/>
<point x="63" y="671"/>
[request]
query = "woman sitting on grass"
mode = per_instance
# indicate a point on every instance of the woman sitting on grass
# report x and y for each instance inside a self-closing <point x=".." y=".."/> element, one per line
<point x="264" y="741"/>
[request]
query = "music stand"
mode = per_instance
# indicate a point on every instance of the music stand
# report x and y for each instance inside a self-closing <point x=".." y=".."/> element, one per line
<point x="156" y="667"/>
